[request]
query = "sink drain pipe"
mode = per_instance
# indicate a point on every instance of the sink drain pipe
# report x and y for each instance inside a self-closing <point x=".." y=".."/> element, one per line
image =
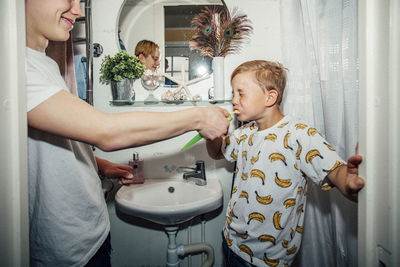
<point x="197" y="248"/>
<point x="175" y="251"/>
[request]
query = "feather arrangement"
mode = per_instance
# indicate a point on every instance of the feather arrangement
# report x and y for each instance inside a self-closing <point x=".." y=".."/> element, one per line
<point x="217" y="32"/>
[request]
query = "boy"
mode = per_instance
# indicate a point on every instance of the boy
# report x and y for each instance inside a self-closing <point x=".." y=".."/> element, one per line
<point x="274" y="153"/>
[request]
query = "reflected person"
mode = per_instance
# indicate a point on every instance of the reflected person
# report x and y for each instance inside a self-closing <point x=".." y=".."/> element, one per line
<point x="148" y="53"/>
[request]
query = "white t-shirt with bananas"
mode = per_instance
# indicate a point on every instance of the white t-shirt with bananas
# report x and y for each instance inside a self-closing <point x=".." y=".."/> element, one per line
<point x="264" y="218"/>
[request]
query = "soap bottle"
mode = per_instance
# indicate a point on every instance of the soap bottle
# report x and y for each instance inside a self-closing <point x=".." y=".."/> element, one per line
<point x="137" y="168"/>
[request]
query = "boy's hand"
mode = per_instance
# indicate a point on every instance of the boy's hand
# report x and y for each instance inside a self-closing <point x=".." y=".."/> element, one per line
<point x="353" y="182"/>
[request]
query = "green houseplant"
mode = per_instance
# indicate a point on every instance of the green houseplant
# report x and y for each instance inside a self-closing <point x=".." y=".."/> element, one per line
<point x="121" y="70"/>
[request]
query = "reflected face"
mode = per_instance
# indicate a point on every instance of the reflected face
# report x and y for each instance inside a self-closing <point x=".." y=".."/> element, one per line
<point x="49" y="20"/>
<point x="248" y="97"/>
<point x="152" y="62"/>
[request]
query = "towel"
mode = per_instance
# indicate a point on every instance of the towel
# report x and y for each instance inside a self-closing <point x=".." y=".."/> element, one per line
<point x="80" y="70"/>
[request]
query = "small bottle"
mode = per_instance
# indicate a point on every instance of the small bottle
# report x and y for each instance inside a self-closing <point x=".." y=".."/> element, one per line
<point x="137" y="169"/>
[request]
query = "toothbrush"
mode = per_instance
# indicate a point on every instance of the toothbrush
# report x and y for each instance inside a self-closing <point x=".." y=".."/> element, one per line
<point x="198" y="137"/>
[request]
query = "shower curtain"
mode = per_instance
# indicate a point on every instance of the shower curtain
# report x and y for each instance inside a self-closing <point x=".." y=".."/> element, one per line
<point x="319" y="49"/>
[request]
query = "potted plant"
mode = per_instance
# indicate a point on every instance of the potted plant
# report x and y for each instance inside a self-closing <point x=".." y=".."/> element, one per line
<point x="121" y="70"/>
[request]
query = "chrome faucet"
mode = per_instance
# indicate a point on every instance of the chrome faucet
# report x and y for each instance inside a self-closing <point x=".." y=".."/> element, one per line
<point x="198" y="174"/>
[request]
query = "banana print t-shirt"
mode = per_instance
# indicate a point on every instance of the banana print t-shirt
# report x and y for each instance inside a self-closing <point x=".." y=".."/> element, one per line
<point x="264" y="218"/>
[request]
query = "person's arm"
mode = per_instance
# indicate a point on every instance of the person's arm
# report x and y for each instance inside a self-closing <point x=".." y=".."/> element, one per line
<point x="66" y="115"/>
<point x="346" y="178"/>
<point x="115" y="171"/>
<point x="214" y="148"/>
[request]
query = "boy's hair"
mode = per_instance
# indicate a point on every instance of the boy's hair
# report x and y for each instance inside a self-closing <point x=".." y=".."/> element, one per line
<point x="269" y="75"/>
<point x="146" y="47"/>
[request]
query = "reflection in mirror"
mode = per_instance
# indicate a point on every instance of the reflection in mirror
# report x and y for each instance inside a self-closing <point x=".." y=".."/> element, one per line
<point x="180" y="61"/>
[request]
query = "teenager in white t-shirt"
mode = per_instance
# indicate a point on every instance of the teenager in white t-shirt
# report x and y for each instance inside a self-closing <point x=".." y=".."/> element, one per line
<point x="69" y="224"/>
<point x="274" y="155"/>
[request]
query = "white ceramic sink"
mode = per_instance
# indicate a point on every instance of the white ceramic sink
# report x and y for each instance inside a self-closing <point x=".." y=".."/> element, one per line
<point x="169" y="202"/>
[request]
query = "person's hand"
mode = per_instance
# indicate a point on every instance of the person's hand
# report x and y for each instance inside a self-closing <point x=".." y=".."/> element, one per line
<point x="115" y="171"/>
<point x="214" y="122"/>
<point x="354" y="183"/>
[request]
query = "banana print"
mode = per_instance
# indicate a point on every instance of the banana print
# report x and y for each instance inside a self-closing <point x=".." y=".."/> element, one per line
<point x="243" y="138"/>
<point x="247" y="250"/>
<point x="300" y="208"/>
<point x="251" y="140"/>
<point x="267" y="238"/>
<point x="295" y="166"/>
<point x="258" y="174"/>
<point x="242" y="235"/>
<point x="231" y="213"/>
<point x="227" y="141"/>
<point x="245" y="195"/>
<point x="263" y="200"/>
<point x="272" y="137"/>
<point x="283" y="125"/>
<point x="233" y="155"/>
<point x="290" y="202"/>
<point x="252" y="127"/>
<point x="312" y="154"/>
<point x="228" y="220"/>
<point x="244" y="176"/>
<point x="325" y="187"/>
<point x="228" y="241"/>
<point x="291" y="250"/>
<point x="256" y="216"/>
<point x="286" y="141"/>
<point x="244" y="155"/>
<point x="336" y="165"/>
<point x="285" y="243"/>
<point x="236" y="170"/>
<point x="312" y="131"/>
<point x="270" y="262"/>
<point x="282" y="182"/>
<point x="300" y="126"/>
<point x="234" y="190"/>
<point x="277" y="220"/>
<point x="329" y="146"/>
<point x="291" y="233"/>
<point x="299" y="190"/>
<point x="299" y="148"/>
<point x="299" y="229"/>
<point x="254" y="159"/>
<point x="277" y="156"/>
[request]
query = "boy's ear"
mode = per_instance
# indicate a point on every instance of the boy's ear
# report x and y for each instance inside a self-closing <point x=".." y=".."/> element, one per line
<point x="141" y="57"/>
<point x="272" y="97"/>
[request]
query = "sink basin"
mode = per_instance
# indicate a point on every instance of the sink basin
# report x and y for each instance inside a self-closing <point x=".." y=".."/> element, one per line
<point x="169" y="202"/>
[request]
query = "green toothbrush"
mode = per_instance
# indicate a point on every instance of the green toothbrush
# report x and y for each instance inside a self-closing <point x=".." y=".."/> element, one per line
<point x="198" y="137"/>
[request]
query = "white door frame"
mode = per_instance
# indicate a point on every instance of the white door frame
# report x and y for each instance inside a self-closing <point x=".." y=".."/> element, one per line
<point x="379" y="126"/>
<point x="14" y="219"/>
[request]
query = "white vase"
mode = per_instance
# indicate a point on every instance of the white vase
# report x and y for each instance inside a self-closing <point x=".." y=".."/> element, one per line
<point x="219" y="77"/>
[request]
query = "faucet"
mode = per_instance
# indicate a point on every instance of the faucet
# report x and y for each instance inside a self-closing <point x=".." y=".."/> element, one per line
<point x="198" y="174"/>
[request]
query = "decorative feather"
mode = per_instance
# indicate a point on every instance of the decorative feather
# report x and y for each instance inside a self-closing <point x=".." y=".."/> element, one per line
<point x="217" y="33"/>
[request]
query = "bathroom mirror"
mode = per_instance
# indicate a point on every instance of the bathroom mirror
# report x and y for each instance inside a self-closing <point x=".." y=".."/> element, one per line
<point x="167" y="24"/>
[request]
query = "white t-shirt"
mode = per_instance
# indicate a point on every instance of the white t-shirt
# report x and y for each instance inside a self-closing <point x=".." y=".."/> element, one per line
<point x="67" y="211"/>
<point x="264" y="218"/>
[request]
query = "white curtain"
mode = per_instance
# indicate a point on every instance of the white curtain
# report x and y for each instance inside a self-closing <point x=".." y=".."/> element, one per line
<point x="319" y="49"/>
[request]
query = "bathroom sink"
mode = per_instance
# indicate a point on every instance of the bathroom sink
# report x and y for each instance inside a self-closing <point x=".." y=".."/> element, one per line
<point x="169" y="202"/>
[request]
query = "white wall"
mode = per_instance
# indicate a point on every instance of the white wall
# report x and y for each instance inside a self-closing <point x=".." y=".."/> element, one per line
<point x="379" y="214"/>
<point x="139" y="243"/>
<point x="14" y="233"/>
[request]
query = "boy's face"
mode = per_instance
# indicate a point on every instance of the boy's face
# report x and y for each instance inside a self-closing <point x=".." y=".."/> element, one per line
<point x="49" y="20"/>
<point x="151" y="62"/>
<point x="248" y="98"/>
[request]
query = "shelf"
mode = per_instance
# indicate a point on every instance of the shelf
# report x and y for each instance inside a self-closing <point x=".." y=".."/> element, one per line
<point x="180" y="102"/>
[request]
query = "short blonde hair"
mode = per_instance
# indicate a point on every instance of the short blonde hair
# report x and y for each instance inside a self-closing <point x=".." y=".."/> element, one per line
<point x="269" y="75"/>
<point x="146" y="47"/>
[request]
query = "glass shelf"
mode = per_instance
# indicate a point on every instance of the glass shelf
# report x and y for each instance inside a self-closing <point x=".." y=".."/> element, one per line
<point x="177" y="102"/>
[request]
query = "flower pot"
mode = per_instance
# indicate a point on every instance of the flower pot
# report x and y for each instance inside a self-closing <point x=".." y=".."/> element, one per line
<point x="219" y="76"/>
<point x="123" y="90"/>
